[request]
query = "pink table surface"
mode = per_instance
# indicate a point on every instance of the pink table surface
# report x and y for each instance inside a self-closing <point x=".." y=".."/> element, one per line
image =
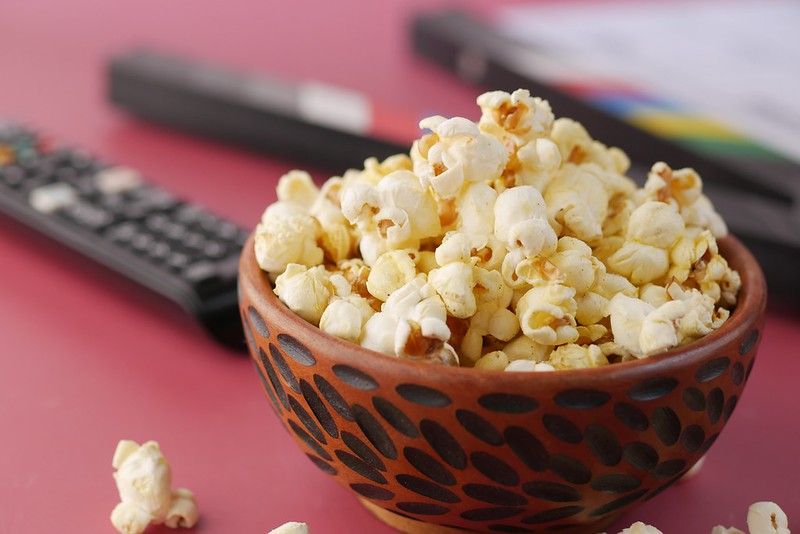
<point x="87" y="359"/>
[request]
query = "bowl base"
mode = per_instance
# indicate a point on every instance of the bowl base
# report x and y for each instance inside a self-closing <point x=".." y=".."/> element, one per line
<point x="412" y="526"/>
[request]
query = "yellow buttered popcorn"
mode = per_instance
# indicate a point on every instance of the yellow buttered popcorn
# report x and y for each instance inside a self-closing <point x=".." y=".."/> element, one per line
<point x="547" y="314"/>
<point x="305" y="291"/>
<point x="653" y="229"/>
<point x="515" y="243"/>
<point x="573" y="356"/>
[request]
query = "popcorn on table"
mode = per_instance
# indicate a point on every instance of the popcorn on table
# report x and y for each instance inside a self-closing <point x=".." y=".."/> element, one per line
<point x="144" y="482"/>
<point x="515" y="243"/>
<point x="292" y="527"/>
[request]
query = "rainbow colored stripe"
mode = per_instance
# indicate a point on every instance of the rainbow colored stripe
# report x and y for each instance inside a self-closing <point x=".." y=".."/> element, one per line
<point x="669" y="120"/>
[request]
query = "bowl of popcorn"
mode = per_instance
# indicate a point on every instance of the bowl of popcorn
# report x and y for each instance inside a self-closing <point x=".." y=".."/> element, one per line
<point x="501" y="331"/>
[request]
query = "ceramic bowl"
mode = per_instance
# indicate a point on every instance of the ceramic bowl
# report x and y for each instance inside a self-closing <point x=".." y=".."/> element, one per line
<point x="438" y="449"/>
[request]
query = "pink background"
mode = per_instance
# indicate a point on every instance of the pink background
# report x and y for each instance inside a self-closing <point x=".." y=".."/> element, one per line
<point x="87" y="359"/>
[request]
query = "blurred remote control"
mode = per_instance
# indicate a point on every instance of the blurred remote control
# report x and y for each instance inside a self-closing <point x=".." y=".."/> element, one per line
<point x="109" y="213"/>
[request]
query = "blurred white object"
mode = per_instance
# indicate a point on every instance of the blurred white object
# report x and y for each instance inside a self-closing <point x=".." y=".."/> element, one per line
<point x="292" y="527"/>
<point x="734" y="61"/>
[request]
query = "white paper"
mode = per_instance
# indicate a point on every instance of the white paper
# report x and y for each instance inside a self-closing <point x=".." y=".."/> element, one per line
<point x="737" y="62"/>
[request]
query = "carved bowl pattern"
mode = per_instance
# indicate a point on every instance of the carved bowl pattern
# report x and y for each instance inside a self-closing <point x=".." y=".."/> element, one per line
<point x="499" y="452"/>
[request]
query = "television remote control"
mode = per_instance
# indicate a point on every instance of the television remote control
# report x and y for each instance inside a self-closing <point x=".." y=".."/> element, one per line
<point x="110" y="214"/>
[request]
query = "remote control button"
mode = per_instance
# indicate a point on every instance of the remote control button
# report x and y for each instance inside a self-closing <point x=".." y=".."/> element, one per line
<point x="177" y="260"/>
<point x="194" y="240"/>
<point x="157" y="222"/>
<point x="189" y="213"/>
<point x="153" y="199"/>
<point x="12" y="176"/>
<point x="88" y="215"/>
<point x="213" y="250"/>
<point x="175" y="231"/>
<point x="158" y="250"/>
<point x="227" y="230"/>
<point x="122" y="232"/>
<point x="51" y="198"/>
<point x="201" y="272"/>
<point x="114" y="180"/>
<point x="64" y="174"/>
<point x="142" y="242"/>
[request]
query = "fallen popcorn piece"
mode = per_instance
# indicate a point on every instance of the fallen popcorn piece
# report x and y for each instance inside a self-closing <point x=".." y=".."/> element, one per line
<point x="640" y="528"/>
<point x="719" y="529"/>
<point x="292" y="527"/>
<point x="767" y="518"/>
<point x="692" y="472"/>
<point x="144" y="481"/>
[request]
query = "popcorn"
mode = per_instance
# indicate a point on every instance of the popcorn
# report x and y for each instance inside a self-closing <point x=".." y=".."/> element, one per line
<point x="454" y="283"/>
<point x="493" y="361"/>
<point x="719" y="529"/>
<point x="528" y="366"/>
<point x="286" y="234"/>
<point x="292" y="527"/>
<point x="475" y="208"/>
<point x="345" y="317"/>
<point x="456" y="152"/>
<point x="627" y="315"/>
<point x="640" y="528"/>
<point x="654" y="227"/>
<point x="298" y="188"/>
<point x="396" y="213"/>
<point x="411" y="323"/>
<point x="524" y="348"/>
<point x="143" y="479"/>
<point x="304" y="291"/>
<point x="520" y="221"/>
<point x="391" y="271"/>
<point x="547" y="314"/>
<point x="516" y="115"/>
<point x="577" y="202"/>
<point x="532" y="164"/>
<point x="577" y="147"/>
<point x="767" y="518"/>
<point x="518" y="243"/>
<point x="643" y="329"/>
<point x="572" y="356"/>
<point x="684" y="189"/>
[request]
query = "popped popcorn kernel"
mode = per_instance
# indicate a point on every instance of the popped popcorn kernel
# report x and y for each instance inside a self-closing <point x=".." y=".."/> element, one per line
<point x="528" y="366"/>
<point x="292" y="527"/>
<point x="454" y="283"/>
<point x="144" y="479"/>
<point x="297" y="187"/>
<point x="391" y="271"/>
<point x="305" y="291"/>
<point x="345" y="317"/>
<point x="577" y="202"/>
<point x="456" y="152"/>
<point x="767" y="518"/>
<point x="518" y="115"/>
<point x="517" y="243"/>
<point x="493" y="361"/>
<point x="640" y="528"/>
<point x="547" y="314"/>
<point x="573" y="356"/>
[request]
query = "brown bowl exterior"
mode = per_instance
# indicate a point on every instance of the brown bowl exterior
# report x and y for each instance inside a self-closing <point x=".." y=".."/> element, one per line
<point x="493" y="451"/>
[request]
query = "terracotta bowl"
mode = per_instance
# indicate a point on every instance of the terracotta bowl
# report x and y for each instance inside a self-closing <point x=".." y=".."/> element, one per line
<point x="438" y="449"/>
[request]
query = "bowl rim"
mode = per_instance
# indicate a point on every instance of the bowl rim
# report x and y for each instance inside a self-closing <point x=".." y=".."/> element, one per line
<point x="749" y="310"/>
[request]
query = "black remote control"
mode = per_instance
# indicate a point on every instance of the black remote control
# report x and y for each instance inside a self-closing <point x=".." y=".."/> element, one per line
<point x="109" y="213"/>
